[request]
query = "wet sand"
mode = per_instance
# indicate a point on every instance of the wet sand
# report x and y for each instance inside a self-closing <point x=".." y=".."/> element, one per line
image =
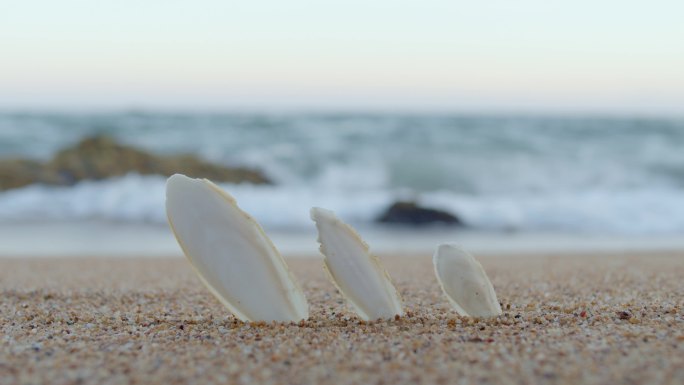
<point x="591" y="319"/>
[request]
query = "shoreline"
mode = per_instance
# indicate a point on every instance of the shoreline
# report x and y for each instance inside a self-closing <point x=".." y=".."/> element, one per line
<point x="607" y="320"/>
<point x="112" y="239"/>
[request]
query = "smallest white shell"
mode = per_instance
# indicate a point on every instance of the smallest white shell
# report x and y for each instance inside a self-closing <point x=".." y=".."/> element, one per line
<point x="465" y="282"/>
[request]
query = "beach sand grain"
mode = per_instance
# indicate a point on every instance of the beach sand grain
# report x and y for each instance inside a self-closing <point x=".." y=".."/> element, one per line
<point x="588" y="319"/>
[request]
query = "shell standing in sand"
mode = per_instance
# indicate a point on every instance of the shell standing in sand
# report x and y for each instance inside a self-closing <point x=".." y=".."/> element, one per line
<point x="465" y="282"/>
<point x="231" y="253"/>
<point x="358" y="275"/>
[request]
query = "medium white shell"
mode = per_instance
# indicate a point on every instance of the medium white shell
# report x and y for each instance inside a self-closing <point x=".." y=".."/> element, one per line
<point x="231" y="253"/>
<point x="358" y="275"/>
<point x="465" y="282"/>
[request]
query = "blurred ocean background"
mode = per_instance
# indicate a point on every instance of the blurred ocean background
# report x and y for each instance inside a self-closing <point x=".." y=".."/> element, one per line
<point x="536" y="133"/>
<point x="621" y="176"/>
<point x="574" y="176"/>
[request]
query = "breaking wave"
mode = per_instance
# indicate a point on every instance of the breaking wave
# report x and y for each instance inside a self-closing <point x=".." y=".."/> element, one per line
<point x="623" y="176"/>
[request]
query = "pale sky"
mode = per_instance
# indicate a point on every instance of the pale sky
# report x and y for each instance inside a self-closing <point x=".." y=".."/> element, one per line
<point x="490" y="55"/>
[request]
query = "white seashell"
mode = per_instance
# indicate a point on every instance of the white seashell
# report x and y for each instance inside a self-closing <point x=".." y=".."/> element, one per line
<point x="465" y="282"/>
<point x="358" y="275"/>
<point x="231" y="253"/>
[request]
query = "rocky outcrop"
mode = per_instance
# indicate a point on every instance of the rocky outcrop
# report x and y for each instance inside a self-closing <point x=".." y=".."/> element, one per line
<point x="411" y="213"/>
<point x="16" y="173"/>
<point x="102" y="157"/>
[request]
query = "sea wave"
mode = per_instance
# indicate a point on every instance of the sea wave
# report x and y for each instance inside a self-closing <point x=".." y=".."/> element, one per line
<point x="135" y="198"/>
<point x="584" y="175"/>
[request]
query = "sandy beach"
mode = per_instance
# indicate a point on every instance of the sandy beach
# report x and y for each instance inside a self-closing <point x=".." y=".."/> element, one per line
<point x="591" y="319"/>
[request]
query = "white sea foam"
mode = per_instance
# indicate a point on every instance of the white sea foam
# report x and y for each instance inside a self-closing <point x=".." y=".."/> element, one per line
<point x="619" y="176"/>
<point x="139" y="199"/>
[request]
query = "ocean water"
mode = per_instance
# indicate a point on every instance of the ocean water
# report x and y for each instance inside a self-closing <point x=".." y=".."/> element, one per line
<point x="498" y="173"/>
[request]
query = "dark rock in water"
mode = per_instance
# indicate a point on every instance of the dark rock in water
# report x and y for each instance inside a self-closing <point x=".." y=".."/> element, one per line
<point x="102" y="157"/>
<point x="412" y="214"/>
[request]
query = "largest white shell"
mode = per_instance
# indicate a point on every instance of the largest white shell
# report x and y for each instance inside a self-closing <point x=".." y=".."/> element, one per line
<point x="358" y="275"/>
<point x="231" y="253"/>
<point x="465" y="282"/>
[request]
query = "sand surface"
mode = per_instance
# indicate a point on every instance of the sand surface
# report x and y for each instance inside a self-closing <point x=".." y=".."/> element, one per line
<point x="593" y="319"/>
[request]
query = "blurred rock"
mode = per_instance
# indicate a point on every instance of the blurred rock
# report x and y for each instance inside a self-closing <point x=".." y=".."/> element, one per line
<point x="410" y="213"/>
<point x="102" y="157"/>
<point x="16" y="173"/>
